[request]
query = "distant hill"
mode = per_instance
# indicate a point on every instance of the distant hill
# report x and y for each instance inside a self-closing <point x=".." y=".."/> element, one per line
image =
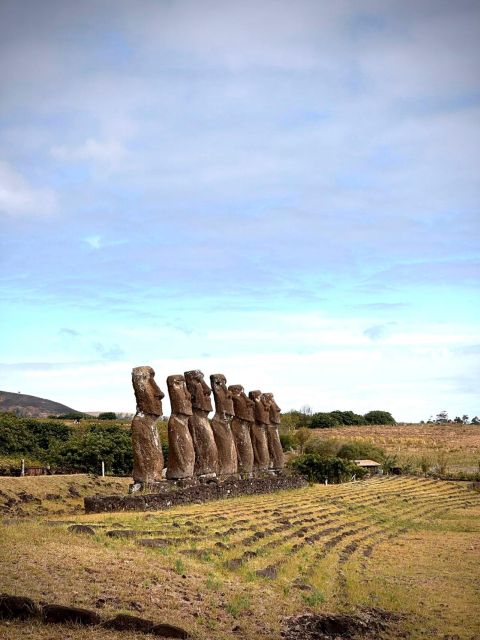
<point x="30" y="406"/>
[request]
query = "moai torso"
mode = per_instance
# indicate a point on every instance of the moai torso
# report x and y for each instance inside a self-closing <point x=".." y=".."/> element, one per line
<point x="147" y="449"/>
<point x="181" y="454"/>
<point x="221" y="426"/>
<point x="259" y="431"/>
<point x="242" y="421"/>
<point x="206" y="456"/>
<point x="275" y="449"/>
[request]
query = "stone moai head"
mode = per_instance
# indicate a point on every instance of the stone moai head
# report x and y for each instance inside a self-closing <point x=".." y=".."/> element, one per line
<point x="274" y="409"/>
<point x="262" y="408"/>
<point x="147" y="393"/>
<point x="180" y="399"/>
<point x="199" y="390"/>
<point x="222" y="396"/>
<point x="243" y="406"/>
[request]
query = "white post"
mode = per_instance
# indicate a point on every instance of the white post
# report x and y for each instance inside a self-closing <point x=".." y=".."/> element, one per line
<point x="103" y="469"/>
<point x="22" y="471"/>
<point x="326" y="481"/>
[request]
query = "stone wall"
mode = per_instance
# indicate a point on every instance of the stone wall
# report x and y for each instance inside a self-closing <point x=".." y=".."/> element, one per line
<point x="171" y="495"/>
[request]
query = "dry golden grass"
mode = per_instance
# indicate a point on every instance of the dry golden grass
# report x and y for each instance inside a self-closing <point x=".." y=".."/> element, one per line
<point x="405" y="544"/>
<point x="54" y="495"/>
<point x="460" y="444"/>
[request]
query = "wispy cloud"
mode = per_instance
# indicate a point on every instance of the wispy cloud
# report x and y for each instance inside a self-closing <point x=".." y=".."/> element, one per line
<point x="109" y="352"/>
<point x="379" y="331"/>
<point x="18" y="197"/>
<point x="215" y="193"/>
<point x="94" y="242"/>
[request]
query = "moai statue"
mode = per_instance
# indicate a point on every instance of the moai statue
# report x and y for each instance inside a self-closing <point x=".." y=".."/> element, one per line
<point x="147" y="449"/>
<point x="259" y="431"/>
<point x="275" y="449"/>
<point x="221" y="426"/>
<point x="206" y="456"/>
<point x="181" y="455"/>
<point x="244" y="417"/>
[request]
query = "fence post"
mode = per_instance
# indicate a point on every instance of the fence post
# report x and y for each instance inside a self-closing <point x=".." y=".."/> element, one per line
<point x="22" y="470"/>
<point x="103" y="469"/>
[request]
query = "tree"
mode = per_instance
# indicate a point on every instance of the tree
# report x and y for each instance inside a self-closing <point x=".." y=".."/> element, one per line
<point x="14" y="436"/>
<point x="107" y="415"/>
<point x="442" y="417"/>
<point x="291" y="420"/>
<point x="301" y="437"/>
<point x="318" y="469"/>
<point x="379" y="417"/>
<point x="458" y="420"/>
<point x="29" y="435"/>
<point x="465" y="418"/>
<point x="86" y="449"/>
<point x="323" y="421"/>
<point x="361" y="450"/>
<point x="348" y="417"/>
<point x="475" y="420"/>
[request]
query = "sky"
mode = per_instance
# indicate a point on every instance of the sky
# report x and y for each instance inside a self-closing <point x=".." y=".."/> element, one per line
<point x="284" y="192"/>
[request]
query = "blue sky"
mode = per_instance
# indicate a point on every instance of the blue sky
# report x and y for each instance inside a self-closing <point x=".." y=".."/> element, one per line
<point x="287" y="193"/>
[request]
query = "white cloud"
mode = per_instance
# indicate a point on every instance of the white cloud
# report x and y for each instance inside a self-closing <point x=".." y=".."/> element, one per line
<point x="403" y="381"/>
<point x="109" y="152"/>
<point x="94" y="242"/>
<point x="19" y="198"/>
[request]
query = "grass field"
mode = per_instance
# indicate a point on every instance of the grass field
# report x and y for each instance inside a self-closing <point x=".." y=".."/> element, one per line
<point x="457" y="444"/>
<point x="236" y="568"/>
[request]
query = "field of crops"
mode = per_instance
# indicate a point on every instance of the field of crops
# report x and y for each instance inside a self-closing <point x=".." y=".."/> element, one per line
<point x="236" y="569"/>
<point x="457" y="445"/>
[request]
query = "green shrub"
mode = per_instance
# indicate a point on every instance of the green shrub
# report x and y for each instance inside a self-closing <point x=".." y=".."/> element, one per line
<point x="14" y="435"/>
<point x="324" y="421"/>
<point x="318" y="469"/>
<point x="324" y="448"/>
<point x="107" y="415"/>
<point x="348" y="417"/>
<point x="30" y="436"/>
<point x="287" y="440"/>
<point x="361" y="450"/>
<point x="47" y="433"/>
<point x="379" y="417"/>
<point x="87" y="448"/>
<point x="71" y="416"/>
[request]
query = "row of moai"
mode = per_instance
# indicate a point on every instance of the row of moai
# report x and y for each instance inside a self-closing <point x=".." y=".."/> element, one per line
<point x="242" y="437"/>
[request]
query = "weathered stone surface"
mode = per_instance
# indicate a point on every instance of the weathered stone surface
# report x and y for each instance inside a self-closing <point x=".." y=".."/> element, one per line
<point x="242" y="421"/>
<point x="82" y="528"/>
<point x="61" y="614"/>
<point x="198" y="493"/>
<point x="169" y="631"/>
<point x="269" y="572"/>
<point x="147" y="393"/>
<point x="17" y="607"/>
<point x="125" y="622"/>
<point x="152" y="542"/>
<point x="181" y="454"/>
<point x="221" y="426"/>
<point x="206" y="456"/>
<point x="368" y="622"/>
<point x="122" y="533"/>
<point x="258" y="431"/>
<point x="275" y="449"/>
<point x="147" y="449"/>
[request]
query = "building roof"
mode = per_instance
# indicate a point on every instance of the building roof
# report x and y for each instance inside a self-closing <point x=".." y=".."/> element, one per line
<point x="367" y="463"/>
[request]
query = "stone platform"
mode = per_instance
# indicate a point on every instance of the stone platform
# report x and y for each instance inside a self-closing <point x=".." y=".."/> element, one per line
<point x="171" y="495"/>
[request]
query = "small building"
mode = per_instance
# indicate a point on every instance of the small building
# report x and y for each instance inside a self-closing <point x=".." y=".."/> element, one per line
<point x="370" y="465"/>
